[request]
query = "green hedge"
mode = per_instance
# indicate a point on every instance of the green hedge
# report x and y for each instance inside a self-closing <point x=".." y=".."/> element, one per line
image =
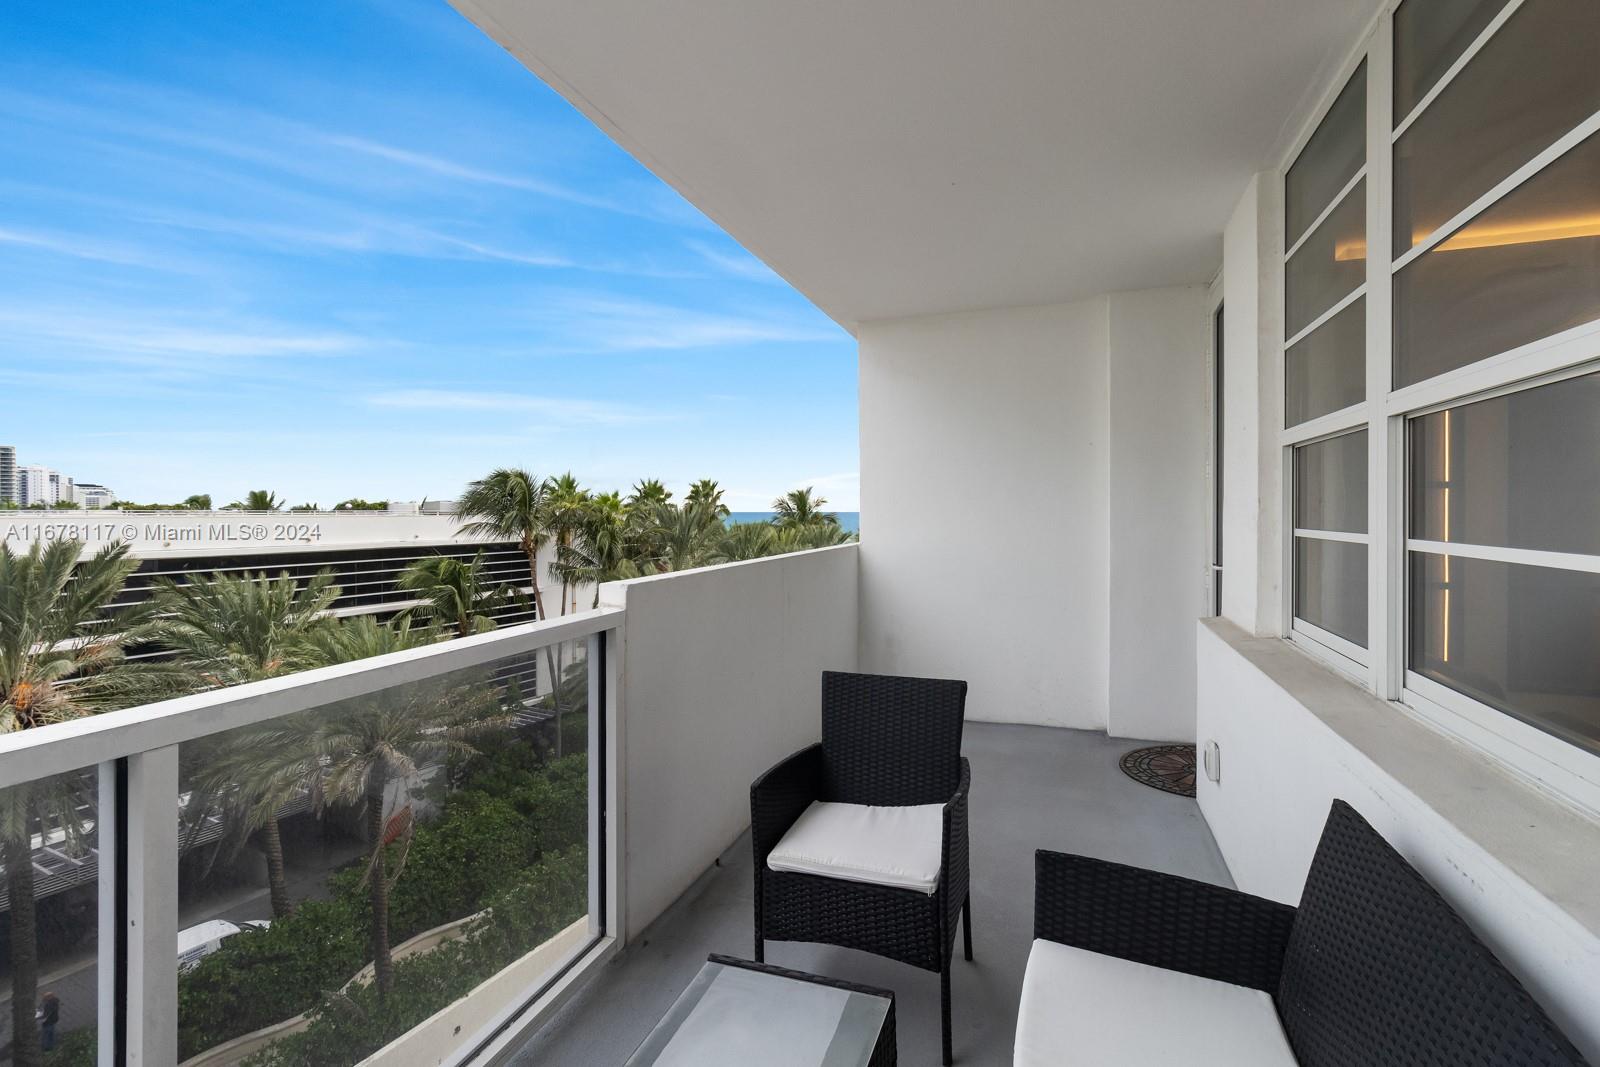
<point x="77" y="1048"/>
<point x="505" y="816"/>
<point x="348" y="1027"/>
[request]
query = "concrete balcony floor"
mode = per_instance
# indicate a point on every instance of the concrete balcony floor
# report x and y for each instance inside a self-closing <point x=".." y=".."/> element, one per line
<point x="1032" y="787"/>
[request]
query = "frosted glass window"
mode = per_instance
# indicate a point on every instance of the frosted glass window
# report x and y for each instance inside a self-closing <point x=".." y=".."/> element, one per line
<point x="1330" y="587"/>
<point x="1518" y="638"/>
<point x="1329" y="266"/>
<point x="1430" y="35"/>
<point x="1526" y="268"/>
<point x="1330" y="158"/>
<point x="1330" y="484"/>
<point x="1327" y="370"/>
<point x="1515" y="471"/>
<point x="1535" y="80"/>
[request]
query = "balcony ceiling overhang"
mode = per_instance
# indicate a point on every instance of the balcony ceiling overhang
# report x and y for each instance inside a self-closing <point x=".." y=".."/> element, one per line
<point x="892" y="158"/>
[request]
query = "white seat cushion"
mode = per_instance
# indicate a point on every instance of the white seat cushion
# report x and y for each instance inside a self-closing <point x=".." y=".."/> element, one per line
<point x="897" y="847"/>
<point x="1082" y="1008"/>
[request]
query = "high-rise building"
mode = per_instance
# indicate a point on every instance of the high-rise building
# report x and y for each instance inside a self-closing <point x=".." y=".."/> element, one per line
<point x="34" y="485"/>
<point x="8" y="474"/>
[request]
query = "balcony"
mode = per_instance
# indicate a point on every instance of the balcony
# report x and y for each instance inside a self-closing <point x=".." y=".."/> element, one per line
<point x="1174" y="425"/>
<point x="552" y="883"/>
<point x="630" y="778"/>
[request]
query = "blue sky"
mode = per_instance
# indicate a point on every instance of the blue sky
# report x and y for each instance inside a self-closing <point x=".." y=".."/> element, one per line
<point x="353" y="248"/>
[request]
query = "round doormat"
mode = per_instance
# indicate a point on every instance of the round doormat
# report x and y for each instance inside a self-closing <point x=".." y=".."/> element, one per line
<point x="1169" y="768"/>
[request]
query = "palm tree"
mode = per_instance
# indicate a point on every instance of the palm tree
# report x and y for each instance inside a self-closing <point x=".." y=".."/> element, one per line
<point x="684" y="537"/>
<point x="707" y="493"/>
<point x="801" y="507"/>
<point x="648" y="493"/>
<point x="198" y="502"/>
<point x="257" y="500"/>
<point x="568" y="505"/>
<point x="455" y="592"/>
<point x="228" y="630"/>
<point x="601" y="550"/>
<point x="362" y="746"/>
<point x="748" y="540"/>
<point x="820" y="535"/>
<point x="510" y="505"/>
<point x="60" y="659"/>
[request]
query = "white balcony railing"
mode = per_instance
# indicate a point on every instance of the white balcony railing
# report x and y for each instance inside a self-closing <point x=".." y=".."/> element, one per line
<point x="490" y="802"/>
<point x="515" y="866"/>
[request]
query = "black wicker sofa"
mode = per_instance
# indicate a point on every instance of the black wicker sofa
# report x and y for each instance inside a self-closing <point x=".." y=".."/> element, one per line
<point x="1373" y="969"/>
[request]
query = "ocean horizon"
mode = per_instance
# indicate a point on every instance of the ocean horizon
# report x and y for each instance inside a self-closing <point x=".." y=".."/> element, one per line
<point x="850" y="521"/>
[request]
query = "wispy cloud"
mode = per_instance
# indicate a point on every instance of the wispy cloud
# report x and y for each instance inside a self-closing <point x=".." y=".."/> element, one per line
<point x="739" y="264"/>
<point x="235" y="262"/>
<point x="135" y="116"/>
<point x="448" y="168"/>
<point x="144" y="337"/>
<point x="609" y="324"/>
<point x="565" y="410"/>
<point x="75" y="246"/>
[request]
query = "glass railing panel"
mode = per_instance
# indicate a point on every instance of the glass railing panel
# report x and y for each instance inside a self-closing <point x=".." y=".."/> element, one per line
<point x="49" y="921"/>
<point x="347" y="872"/>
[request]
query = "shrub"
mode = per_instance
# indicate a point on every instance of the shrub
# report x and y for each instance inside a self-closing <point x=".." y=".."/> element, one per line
<point x="509" y="840"/>
<point x="347" y="1027"/>
<point x="478" y="846"/>
<point x="77" y="1048"/>
<point x="260" y="977"/>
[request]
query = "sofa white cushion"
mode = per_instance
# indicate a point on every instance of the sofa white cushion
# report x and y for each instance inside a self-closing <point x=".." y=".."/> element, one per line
<point x="1082" y="1008"/>
<point x="892" y="846"/>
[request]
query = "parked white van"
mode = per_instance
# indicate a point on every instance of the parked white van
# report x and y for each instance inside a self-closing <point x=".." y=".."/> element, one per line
<point x="201" y="940"/>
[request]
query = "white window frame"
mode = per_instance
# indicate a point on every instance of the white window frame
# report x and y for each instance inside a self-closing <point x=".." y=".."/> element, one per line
<point x="1216" y="412"/>
<point x="1562" y="769"/>
<point x="1342" y="655"/>
<point x="1338" y="652"/>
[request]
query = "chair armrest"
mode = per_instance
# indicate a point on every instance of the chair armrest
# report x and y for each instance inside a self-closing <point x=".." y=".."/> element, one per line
<point x="780" y="796"/>
<point x="954" y="868"/>
<point x="1159" y="919"/>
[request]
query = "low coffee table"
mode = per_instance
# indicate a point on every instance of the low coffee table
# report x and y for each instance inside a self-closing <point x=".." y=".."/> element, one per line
<point x="736" y="1013"/>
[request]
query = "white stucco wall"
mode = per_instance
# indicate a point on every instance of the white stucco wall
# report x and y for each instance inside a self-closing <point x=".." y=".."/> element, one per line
<point x="1080" y="431"/>
<point x="721" y="678"/>
<point x="1159" y="441"/>
<point x="1004" y="413"/>
<point x="1252" y="408"/>
<point x="1519" y="867"/>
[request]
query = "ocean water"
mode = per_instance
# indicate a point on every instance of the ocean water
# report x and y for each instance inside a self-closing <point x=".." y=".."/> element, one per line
<point x="849" y="520"/>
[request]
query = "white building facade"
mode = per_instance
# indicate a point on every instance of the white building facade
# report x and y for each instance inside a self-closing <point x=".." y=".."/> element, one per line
<point x="38" y="485"/>
<point x="93" y="495"/>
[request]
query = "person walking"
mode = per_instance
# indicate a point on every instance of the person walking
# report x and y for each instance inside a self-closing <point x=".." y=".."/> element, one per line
<point x="49" y="1016"/>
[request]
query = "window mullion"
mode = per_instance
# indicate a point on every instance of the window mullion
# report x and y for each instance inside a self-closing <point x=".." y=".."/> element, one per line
<point x="1385" y="495"/>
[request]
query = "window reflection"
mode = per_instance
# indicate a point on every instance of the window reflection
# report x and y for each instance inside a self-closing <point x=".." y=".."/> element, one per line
<point x="1527" y="268"/>
<point x="1533" y="82"/>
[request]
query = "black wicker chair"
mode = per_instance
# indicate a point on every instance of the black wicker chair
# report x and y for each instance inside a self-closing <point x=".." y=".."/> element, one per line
<point x="1373" y="969"/>
<point x="886" y="741"/>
